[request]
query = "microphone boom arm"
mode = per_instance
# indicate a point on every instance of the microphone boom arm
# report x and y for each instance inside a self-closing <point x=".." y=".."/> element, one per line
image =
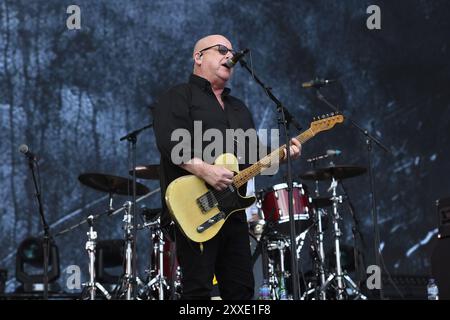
<point x="288" y="117"/>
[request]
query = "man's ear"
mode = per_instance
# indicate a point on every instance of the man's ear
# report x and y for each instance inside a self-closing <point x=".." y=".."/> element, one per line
<point x="198" y="58"/>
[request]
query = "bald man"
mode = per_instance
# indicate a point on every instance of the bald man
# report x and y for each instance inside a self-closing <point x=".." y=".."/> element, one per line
<point x="206" y="98"/>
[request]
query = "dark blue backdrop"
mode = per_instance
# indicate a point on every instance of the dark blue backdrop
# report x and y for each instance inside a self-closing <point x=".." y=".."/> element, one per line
<point x="71" y="94"/>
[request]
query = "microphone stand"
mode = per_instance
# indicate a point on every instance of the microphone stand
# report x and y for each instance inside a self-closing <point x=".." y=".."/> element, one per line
<point x="369" y="140"/>
<point x="285" y="119"/>
<point x="132" y="139"/>
<point x="46" y="240"/>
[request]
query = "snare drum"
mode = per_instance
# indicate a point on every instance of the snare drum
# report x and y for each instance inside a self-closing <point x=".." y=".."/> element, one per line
<point x="275" y="207"/>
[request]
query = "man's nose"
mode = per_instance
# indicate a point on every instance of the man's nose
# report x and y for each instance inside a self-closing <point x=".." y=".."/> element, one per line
<point x="229" y="55"/>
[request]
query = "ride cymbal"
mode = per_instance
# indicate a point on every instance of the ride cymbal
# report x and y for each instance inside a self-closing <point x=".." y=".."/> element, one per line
<point x="338" y="172"/>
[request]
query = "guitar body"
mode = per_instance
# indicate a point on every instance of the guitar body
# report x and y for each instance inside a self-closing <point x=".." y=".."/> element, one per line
<point x="182" y="196"/>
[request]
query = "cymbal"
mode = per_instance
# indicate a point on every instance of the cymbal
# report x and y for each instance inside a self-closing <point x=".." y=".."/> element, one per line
<point x="149" y="172"/>
<point x="321" y="202"/>
<point x="338" y="172"/>
<point x="112" y="184"/>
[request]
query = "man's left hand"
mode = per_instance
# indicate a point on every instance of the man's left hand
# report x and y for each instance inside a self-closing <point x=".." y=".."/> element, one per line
<point x="296" y="149"/>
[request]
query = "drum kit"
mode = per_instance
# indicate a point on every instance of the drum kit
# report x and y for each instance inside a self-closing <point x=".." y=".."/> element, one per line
<point x="270" y="230"/>
<point x="311" y="215"/>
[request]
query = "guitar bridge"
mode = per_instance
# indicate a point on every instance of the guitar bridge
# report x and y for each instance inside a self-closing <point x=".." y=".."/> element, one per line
<point x="207" y="202"/>
<point x="210" y="222"/>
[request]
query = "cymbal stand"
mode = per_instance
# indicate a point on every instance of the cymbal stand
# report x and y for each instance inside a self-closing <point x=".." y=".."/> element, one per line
<point x="158" y="281"/>
<point x="339" y="274"/>
<point x="132" y="141"/>
<point x="92" y="285"/>
<point x="128" y="226"/>
<point x="337" y="235"/>
<point x="320" y="252"/>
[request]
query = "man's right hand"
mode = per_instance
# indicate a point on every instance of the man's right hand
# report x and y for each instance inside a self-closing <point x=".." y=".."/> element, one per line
<point x="217" y="177"/>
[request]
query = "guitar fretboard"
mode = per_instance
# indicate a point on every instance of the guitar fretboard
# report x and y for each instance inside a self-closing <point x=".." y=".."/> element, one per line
<point x="271" y="159"/>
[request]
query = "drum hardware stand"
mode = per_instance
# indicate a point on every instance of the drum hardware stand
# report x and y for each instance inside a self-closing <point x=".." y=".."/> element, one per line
<point x="320" y="253"/>
<point x="272" y="276"/>
<point x="110" y="201"/>
<point x="132" y="141"/>
<point x="339" y="275"/>
<point x="92" y="285"/>
<point x="337" y="235"/>
<point x="157" y="272"/>
<point x="350" y="284"/>
<point x="369" y="139"/>
<point x="157" y="280"/>
<point x="273" y="282"/>
<point x="130" y="239"/>
<point x="128" y="281"/>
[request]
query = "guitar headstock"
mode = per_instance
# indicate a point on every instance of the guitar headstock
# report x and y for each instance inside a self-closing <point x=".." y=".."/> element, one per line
<point x="326" y="122"/>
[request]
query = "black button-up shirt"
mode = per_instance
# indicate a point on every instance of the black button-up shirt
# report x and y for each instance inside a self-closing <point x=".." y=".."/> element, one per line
<point x="179" y="107"/>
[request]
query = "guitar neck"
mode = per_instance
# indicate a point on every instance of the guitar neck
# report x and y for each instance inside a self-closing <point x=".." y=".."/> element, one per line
<point x="274" y="157"/>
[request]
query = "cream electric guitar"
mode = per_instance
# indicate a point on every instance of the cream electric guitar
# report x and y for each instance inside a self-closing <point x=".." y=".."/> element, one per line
<point x="197" y="208"/>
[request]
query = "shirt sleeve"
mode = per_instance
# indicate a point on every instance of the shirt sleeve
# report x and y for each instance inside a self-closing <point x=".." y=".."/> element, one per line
<point x="173" y="126"/>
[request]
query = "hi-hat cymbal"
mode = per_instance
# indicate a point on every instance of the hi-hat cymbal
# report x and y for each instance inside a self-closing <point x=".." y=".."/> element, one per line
<point x="338" y="172"/>
<point x="149" y="172"/>
<point x="112" y="184"/>
<point x="321" y="202"/>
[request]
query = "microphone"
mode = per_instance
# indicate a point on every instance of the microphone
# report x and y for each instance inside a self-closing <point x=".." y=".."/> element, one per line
<point x="333" y="152"/>
<point x="230" y="63"/>
<point x="23" y="148"/>
<point x="329" y="153"/>
<point x="317" y="83"/>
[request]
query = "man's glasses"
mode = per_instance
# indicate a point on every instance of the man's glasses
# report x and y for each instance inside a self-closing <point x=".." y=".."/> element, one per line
<point x="223" y="50"/>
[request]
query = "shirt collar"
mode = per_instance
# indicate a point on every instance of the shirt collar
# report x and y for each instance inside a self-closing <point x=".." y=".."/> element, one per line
<point x="204" y="84"/>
